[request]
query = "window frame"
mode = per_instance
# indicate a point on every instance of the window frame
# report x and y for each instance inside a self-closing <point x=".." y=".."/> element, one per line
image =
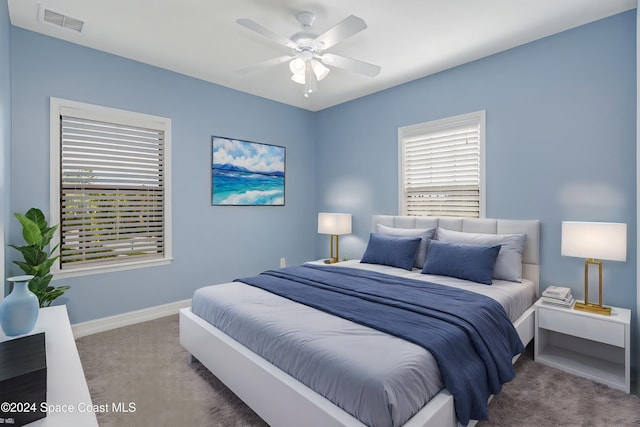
<point x="433" y="126"/>
<point x="59" y="107"/>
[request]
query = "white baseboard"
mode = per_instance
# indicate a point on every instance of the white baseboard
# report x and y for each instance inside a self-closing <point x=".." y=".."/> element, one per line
<point x="112" y="322"/>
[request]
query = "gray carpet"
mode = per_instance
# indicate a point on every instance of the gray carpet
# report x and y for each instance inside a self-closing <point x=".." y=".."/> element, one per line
<point x="144" y="364"/>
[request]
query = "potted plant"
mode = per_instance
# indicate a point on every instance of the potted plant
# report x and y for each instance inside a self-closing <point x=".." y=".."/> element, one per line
<point x="37" y="261"/>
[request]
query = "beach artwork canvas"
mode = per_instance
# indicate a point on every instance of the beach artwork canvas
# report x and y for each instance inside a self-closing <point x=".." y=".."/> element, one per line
<point x="245" y="173"/>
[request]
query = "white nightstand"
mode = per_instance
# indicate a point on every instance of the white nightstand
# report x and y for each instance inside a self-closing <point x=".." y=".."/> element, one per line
<point x="585" y="344"/>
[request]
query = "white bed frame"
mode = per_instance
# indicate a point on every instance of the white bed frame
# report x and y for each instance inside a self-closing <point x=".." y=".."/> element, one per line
<point x="283" y="401"/>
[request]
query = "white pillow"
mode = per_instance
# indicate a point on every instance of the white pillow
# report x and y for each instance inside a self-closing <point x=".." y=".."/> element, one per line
<point x="425" y="233"/>
<point x="509" y="262"/>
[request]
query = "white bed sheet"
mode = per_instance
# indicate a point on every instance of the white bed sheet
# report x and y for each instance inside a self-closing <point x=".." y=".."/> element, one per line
<point x="515" y="297"/>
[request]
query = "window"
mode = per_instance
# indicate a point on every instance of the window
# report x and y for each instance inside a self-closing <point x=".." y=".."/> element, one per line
<point x="110" y="188"/>
<point x="441" y="167"/>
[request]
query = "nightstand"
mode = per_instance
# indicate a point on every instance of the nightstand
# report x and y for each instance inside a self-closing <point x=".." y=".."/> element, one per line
<point x="586" y="344"/>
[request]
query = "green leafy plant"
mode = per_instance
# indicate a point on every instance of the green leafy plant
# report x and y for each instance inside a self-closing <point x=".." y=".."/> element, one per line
<point x="37" y="261"/>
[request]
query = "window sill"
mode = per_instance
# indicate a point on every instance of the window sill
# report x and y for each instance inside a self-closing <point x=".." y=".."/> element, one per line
<point x="63" y="274"/>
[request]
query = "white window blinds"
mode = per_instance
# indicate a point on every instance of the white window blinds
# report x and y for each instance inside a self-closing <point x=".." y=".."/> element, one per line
<point x="112" y="192"/>
<point x="441" y="167"/>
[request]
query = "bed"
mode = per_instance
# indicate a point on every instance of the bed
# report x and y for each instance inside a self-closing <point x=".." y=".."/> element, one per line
<point x="282" y="400"/>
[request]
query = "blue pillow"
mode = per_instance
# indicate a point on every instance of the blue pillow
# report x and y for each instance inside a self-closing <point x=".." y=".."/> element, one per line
<point x="425" y="234"/>
<point x="391" y="250"/>
<point x="509" y="261"/>
<point x="461" y="260"/>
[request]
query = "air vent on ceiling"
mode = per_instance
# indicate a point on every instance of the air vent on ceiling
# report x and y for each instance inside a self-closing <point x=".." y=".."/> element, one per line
<point x="60" y="20"/>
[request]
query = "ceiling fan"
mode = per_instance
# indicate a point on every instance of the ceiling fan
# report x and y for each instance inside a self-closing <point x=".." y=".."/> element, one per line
<point x="307" y="59"/>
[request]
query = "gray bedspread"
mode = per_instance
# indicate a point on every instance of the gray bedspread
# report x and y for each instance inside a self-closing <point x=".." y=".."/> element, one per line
<point x="379" y="379"/>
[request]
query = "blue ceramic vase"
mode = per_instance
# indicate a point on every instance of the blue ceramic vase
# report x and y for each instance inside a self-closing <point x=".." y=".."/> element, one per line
<point x="19" y="311"/>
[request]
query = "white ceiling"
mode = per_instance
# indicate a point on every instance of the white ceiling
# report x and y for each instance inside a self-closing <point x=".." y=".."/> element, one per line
<point x="409" y="39"/>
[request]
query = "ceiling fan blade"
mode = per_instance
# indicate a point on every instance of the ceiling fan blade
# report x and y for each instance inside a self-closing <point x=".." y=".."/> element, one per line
<point x="350" y="64"/>
<point x="265" y="64"/>
<point x="254" y="26"/>
<point x="343" y="29"/>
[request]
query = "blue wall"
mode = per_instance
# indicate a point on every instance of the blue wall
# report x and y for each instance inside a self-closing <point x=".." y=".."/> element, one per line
<point x="560" y="143"/>
<point x="560" y="146"/>
<point x="5" y="131"/>
<point x="210" y="244"/>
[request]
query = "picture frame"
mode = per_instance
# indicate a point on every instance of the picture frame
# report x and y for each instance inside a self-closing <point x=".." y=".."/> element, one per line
<point x="247" y="173"/>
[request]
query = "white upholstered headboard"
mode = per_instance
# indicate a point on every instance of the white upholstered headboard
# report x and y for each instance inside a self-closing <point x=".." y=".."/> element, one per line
<point x="530" y="256"/>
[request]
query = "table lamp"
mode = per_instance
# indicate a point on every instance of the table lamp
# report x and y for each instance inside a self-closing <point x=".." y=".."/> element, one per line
<point x="334" y="224"/>
<point x="591" y="240"/>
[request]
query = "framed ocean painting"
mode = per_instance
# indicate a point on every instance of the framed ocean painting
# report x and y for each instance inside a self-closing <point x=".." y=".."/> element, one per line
<point x="245" y="173"/>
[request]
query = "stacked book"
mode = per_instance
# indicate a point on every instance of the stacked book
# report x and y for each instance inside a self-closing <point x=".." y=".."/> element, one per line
<point x="558" y="295"/>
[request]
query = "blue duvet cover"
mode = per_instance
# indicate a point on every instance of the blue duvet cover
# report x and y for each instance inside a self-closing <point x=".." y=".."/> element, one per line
<point x="469" y="335"/>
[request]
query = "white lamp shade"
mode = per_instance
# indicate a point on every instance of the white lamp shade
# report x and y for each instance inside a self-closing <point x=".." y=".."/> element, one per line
<point x="297" y="66"/>
<point x="598" y="240"/>
<point x="298" y="78"/>
<point x="320" y="70"/>
<point x="334" y="223"/>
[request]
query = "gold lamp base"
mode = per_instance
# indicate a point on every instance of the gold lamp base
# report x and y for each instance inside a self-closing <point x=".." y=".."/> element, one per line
<point x="593" y="308"/>
<point x="333" y="258"/>
<point x="588" y="306"/>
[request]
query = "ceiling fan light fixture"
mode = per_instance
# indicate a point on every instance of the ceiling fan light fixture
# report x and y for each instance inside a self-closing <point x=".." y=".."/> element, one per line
<point x="298" y="78"/>
<point x="319" y="70"/>
<point x="297" y="66"/>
